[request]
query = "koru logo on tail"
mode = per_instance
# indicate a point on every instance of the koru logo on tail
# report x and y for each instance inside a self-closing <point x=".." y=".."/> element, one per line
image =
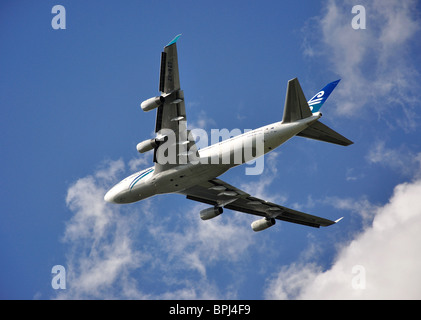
<point x="316" y="99"/>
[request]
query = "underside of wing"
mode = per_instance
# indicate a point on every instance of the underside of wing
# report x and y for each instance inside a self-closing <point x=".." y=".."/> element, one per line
<point x="220" y="194"/>
<point x="169" y="79"/>
<point x="171" y="120"/>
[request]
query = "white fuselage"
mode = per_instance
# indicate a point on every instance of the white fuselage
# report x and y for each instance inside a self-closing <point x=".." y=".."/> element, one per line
<point x="214" y="161"/>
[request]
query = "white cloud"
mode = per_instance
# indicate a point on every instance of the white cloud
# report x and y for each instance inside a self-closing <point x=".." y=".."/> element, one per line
<point x="353" y="175"/>
<point x="382" y="262"/>
<point x="374" y="63"/>
<point x="202" y="244"/>
<point x="140" y="162"/>
<point x="107" y="259"/>
<point x="260" y="188"/>
<point x="100" y="253"/>
<point x="110" y="170"/>
<point x="362" y="207"/>
<point x="402" y="159"/>
<point x="202" y="121"/>
<point x="115" y="251"/>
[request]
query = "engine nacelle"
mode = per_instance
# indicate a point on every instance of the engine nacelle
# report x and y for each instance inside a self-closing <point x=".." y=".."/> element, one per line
<point x="146" y="145"/>
<point x="210" y="213"/>
<point x="262" y="224"/>
<point x="152" y="103"/>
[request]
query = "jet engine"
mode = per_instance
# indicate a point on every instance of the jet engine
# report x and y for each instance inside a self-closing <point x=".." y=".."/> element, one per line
<point x="152" y="103"/>
<point x="146" y="145"/>
<point x="263" y="224"/>
<point x="210" y="213"/>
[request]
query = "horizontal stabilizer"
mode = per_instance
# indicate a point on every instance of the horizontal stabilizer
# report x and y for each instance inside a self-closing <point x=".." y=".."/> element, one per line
<point x="319" y="131"/>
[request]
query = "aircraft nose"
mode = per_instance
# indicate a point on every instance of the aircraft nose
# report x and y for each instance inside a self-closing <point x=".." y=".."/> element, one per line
<point x="110" y="196"/>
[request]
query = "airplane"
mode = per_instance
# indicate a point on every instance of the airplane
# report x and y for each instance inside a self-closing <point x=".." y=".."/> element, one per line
<point x="184" y="169"/>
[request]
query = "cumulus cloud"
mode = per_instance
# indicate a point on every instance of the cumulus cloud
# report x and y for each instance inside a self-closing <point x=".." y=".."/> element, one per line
<point x="402" y="159"/>
<point x="374" y="63"/>
<point x="204" y="243"/>
<point x="379" y="262"/>
<point x="114" y="251"/>
<point x="382" y="262"/>
<point x="362" y="207"/>
<point x="201" y="121"/>
<point x="260" y="188"/>
<point x="100" y="252"/>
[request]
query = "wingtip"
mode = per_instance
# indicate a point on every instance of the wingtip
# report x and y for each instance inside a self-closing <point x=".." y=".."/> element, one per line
<point x="173" y="40"/>
<point x="336" y="221"/>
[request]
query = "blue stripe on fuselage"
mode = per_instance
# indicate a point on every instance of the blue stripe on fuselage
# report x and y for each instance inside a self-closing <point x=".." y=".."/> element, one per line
<point x="140" y="176"/>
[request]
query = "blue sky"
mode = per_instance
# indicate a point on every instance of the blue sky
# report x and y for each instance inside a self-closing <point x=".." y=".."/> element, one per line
<point x="70" y="122"/>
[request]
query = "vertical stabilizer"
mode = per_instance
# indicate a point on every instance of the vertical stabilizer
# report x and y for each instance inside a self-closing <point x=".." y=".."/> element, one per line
<point x="296" y="106"/>
<point x="320" y="97"/>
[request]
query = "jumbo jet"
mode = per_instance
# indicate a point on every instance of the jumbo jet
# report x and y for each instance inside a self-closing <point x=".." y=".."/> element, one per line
<point x="181" y="167"/>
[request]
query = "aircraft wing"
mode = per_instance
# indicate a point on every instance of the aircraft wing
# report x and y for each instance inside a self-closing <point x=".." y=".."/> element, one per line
<point x="171" y="115"/>
<point x="221" y="194"/>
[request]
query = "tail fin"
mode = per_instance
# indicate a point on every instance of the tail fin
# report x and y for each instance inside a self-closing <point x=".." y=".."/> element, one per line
<point x="296" y="106"/>
<point x="320" y="97"/>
